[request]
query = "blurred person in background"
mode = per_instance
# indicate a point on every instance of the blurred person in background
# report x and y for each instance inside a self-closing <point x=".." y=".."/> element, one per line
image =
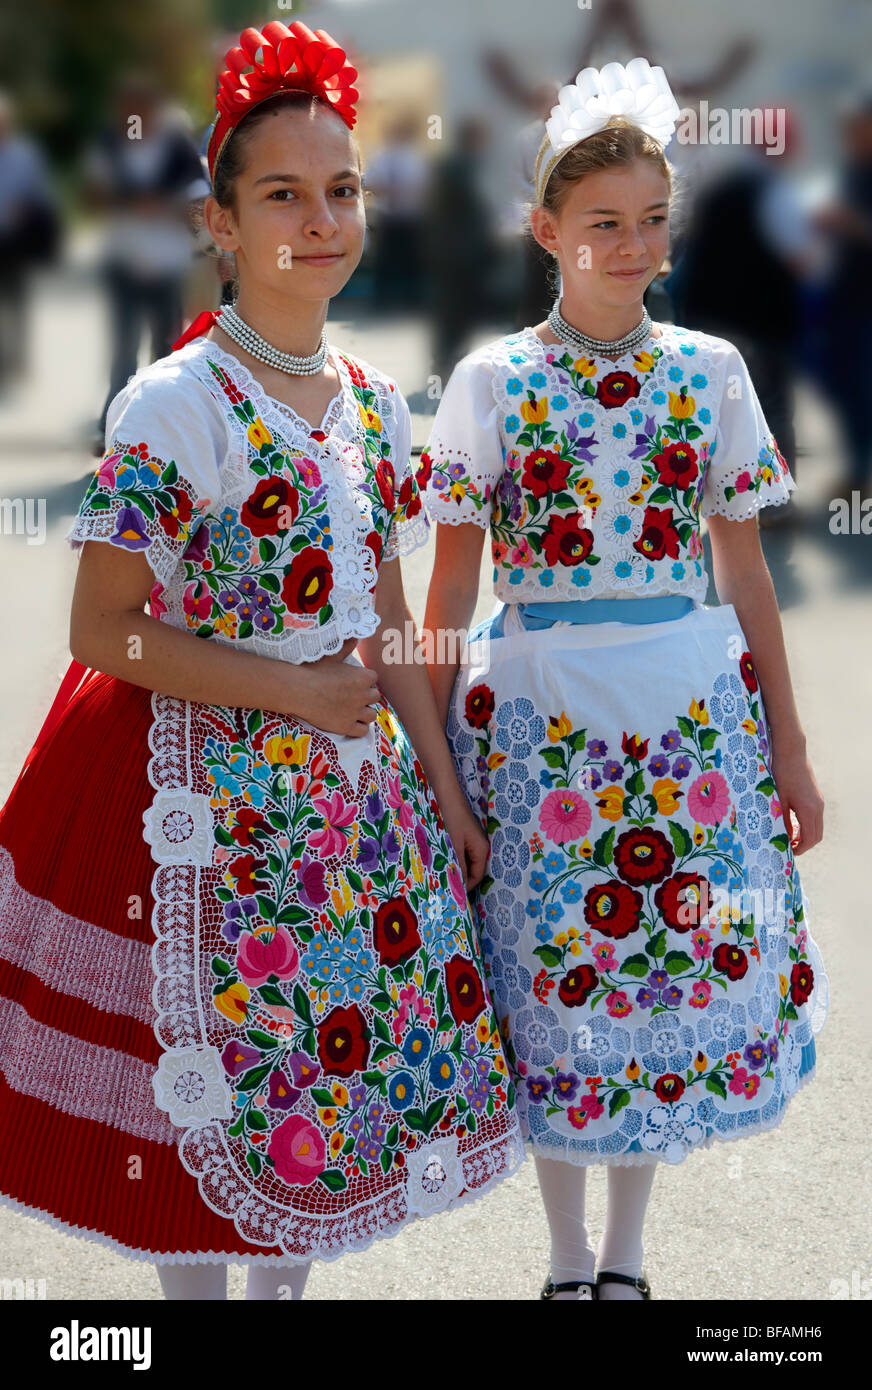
<point x="29" y="235"/>
<point x="460" y="245"/>
<point x="143" y="171"/>
<point x="397" y="178"/>
<point x="748" y="249"/>
<point x="843" y="357"/>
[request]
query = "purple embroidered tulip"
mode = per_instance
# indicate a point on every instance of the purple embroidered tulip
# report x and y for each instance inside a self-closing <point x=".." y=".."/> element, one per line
<point x="310" y="881"/>
<point x="238" y="1057"/>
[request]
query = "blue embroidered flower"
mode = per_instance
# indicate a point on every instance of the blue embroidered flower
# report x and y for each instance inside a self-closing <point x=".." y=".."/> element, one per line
<point x="538" y="881"/>
<point x="553" y="912"/>
<point x="619" y="431"/>
<point x="585" y="420"/>
<point x="704" y="415"/>
<point x="658" y="397"/>
<point x="559" y="402"/>
<point x="514" y="386"/>
<point x="546" y="578"/>
<point x="513" y="424"/>
<point x="581" y="576"/>
<point x="678" y="570"/>
<point x="621" y="477"/>
<point x="544" y="932"/>
<point x="570" y="892"/>
<point x="537" y="380"/>
<point x="688" y="349"/>
<point x="698" y="381"/>
<point x="675" y="373"/>
<point x="554" y="863"/>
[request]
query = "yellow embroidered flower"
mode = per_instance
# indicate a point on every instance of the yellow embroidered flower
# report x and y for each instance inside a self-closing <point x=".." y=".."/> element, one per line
<point x="496" y="760"/>
<point x="584" y="366"/>
<point x="327" y="1115"/>
<point x="482" y="1032"/>
<point x="386" y="722"/>
<point x="698" y="835"/>
<point x="749" y="725"/>
<point x="585" y="849"/>
<point x="458" y="492"/>
<point x="339" y="1093"/>
<point x="700" y="1061"/>
<point x="611" y="803"/>
<point x="663" y="791"/>
<point x="233" y="1002"/>
<point x="636" y="499"/>
<point x="644" y="361"/>
<point x="574" y="932"/>
<point x="371" y="420"/>
<point x="535" y="412"/>
<point x="783" y="985"/>
<point x="593" y="500"/>
<point x="698" y="711"/>
<point x="681" y="407"/>
<point x="287" y="752"/>
<point x="575" y="948"/>
<point x="558" y="728"/>
<point x="226" y="624"/>
<point x="258" y="433"/>
<point x="561" y="939"/>
<point x="584" y="485"/>
<point x="499" y="1064"/>
<point x="337" y="1143"/>
<point x="342" y="900"/>
<point x="632" y="1071"/>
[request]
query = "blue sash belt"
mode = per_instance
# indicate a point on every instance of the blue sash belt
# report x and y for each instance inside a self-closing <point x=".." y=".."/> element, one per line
<point x="593" y="610"/>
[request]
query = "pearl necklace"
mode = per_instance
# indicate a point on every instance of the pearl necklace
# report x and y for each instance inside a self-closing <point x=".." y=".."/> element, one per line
<point x="567" y="334"/>
<point x="242" y="333"/>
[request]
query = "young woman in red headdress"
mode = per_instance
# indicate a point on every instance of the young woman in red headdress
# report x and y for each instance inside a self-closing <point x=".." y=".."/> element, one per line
<point x="245" y="1016"/>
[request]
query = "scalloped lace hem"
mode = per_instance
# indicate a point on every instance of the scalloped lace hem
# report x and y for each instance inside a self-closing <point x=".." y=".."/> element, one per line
<point x="408" y="536"/>
<point x="516" y="1157"/>
<point x="718" y="507"/>
<point x="627" y="1159"/>
<point x="444" y="518"/>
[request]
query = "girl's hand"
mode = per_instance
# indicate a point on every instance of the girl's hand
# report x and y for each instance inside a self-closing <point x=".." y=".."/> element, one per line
<point x="800" y="796"/>
<point x="471" y="845"/>
<point x="341" y="694"/>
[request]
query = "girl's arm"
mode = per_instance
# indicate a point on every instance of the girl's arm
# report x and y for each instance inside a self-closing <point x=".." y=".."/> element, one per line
<point x="407" y="686"/>
<point x="451" y="601"/>
<point x="110" y="632"/>
<point x="742" y="579"/>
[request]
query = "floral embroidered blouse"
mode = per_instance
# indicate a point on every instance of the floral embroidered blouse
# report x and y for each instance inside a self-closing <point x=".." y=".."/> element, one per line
<point x="593" y="475"/>
<point x="260" y="530"/>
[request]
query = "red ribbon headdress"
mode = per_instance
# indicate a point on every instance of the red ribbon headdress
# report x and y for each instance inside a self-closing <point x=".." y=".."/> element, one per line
<point x="290" y="59"/>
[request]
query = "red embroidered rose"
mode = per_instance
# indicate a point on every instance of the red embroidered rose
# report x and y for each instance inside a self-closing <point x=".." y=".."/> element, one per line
<point x="669" y="1087"/>
<point x="685" y="900"/>
<point x="575" y="987"/>
<point x="384" y="476"/>
<point x="425" y="468"/>
<point x="544" y="471"/>
<point x="174" y="518"/>
<point x="465" y="994"/>
<point x="247" y="820"/>
<point x="659" y="537"/>
<point x="749" y="675"/>
<point x="616" y="388"/>
<point x="245" y="870"/>
<point x="566" y="541"/>
<point x="677" y="464"/>
<point x="613" y="908"/>
<point x="635" y="747"/>
<point x="643" y="856"/>
<point x="374" y="541"/>
<point x="408" y="499"/>
<point x="264" y="513"/>
<point x="730" y="961"/>
<point x="801" y="982"/>
<point x="307" y="584"/>
<point x="395" y="932"/>
<point x="479" y="706"/>
<point x="343" y="1042"/>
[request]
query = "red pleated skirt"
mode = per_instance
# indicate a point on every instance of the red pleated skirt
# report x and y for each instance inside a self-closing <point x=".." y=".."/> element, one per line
<point x="83" y="1145"/>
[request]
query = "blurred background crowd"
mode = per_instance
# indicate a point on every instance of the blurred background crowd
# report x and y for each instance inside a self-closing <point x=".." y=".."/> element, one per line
<point x="103" y="133"/>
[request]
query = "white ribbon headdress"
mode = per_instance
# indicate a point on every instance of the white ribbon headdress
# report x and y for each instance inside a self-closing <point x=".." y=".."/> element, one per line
<point x="637" y="92"/>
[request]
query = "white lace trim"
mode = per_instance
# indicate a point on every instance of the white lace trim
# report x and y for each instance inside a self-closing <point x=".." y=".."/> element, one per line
<point x="181" y="1032"/>
<point x="771" y="497"/>
<point x="70" y="956"/>
<point x="625" y="1159"/>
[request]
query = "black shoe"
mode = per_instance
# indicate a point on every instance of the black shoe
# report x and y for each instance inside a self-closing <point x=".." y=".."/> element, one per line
<point x="607" y="1276"/>
<point x="551" y="1289"/>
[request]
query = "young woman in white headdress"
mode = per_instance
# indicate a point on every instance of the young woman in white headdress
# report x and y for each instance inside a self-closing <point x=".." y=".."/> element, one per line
<point x="636" y="757"/>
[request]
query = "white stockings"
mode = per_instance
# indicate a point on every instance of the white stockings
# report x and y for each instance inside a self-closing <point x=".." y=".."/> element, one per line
<point x="209" y="1281"/>
<point x="572" y="1255"/>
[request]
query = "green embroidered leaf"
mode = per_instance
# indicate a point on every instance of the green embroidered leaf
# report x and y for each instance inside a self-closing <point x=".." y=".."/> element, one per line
<point x="617" y="1102"/>
<point x="333" y="1180"/>
<point x="677" y="962"/>
<point x="602" y="850"/>
<point x="780" y="842"/>
<point x="220" y="967"/>
<point x="549" y="955"/>
<point x="265" y="1041"/>
<point x="680" y="838"/>
<point x="254" y="1163"/>
<point x="637" y="966"/>
<point x="714" y="1083"/>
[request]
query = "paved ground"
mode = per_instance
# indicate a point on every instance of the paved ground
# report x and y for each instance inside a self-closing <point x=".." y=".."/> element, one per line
<point x="778" y="1216"/>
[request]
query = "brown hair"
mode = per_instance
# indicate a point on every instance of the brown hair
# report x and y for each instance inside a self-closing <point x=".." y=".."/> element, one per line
<point x="614" y="147"/>
<point x="232" y="160"/>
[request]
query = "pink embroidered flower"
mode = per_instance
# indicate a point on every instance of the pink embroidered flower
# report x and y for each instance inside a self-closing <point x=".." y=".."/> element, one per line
<point x="106" y="471"/>
<point x="604" y="955"/>
<point x="775" y="807"/>
<point x="197" y="600"/>
<point x="702" y="943"/>
<point x="156" y="605"/>
<point x="618" y="1004"/>
<point x="298" y="1151"/>
<point x="260" y="956"/>
<point x="801" y="940"/>
<point x="708" y="798"/>
<point x="338" y="816"/>
<point x="564" y="815"/>
<point x="405" y="814"/>
<point x="522" y="554"/>
<point x="309" y="472"/>
<point x="455" y="883"/>
<point x="742" y="1083"/>
<point x="588" y="1108"/>
<point x="743" y="482"/>
<point x="700" y="995"/>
